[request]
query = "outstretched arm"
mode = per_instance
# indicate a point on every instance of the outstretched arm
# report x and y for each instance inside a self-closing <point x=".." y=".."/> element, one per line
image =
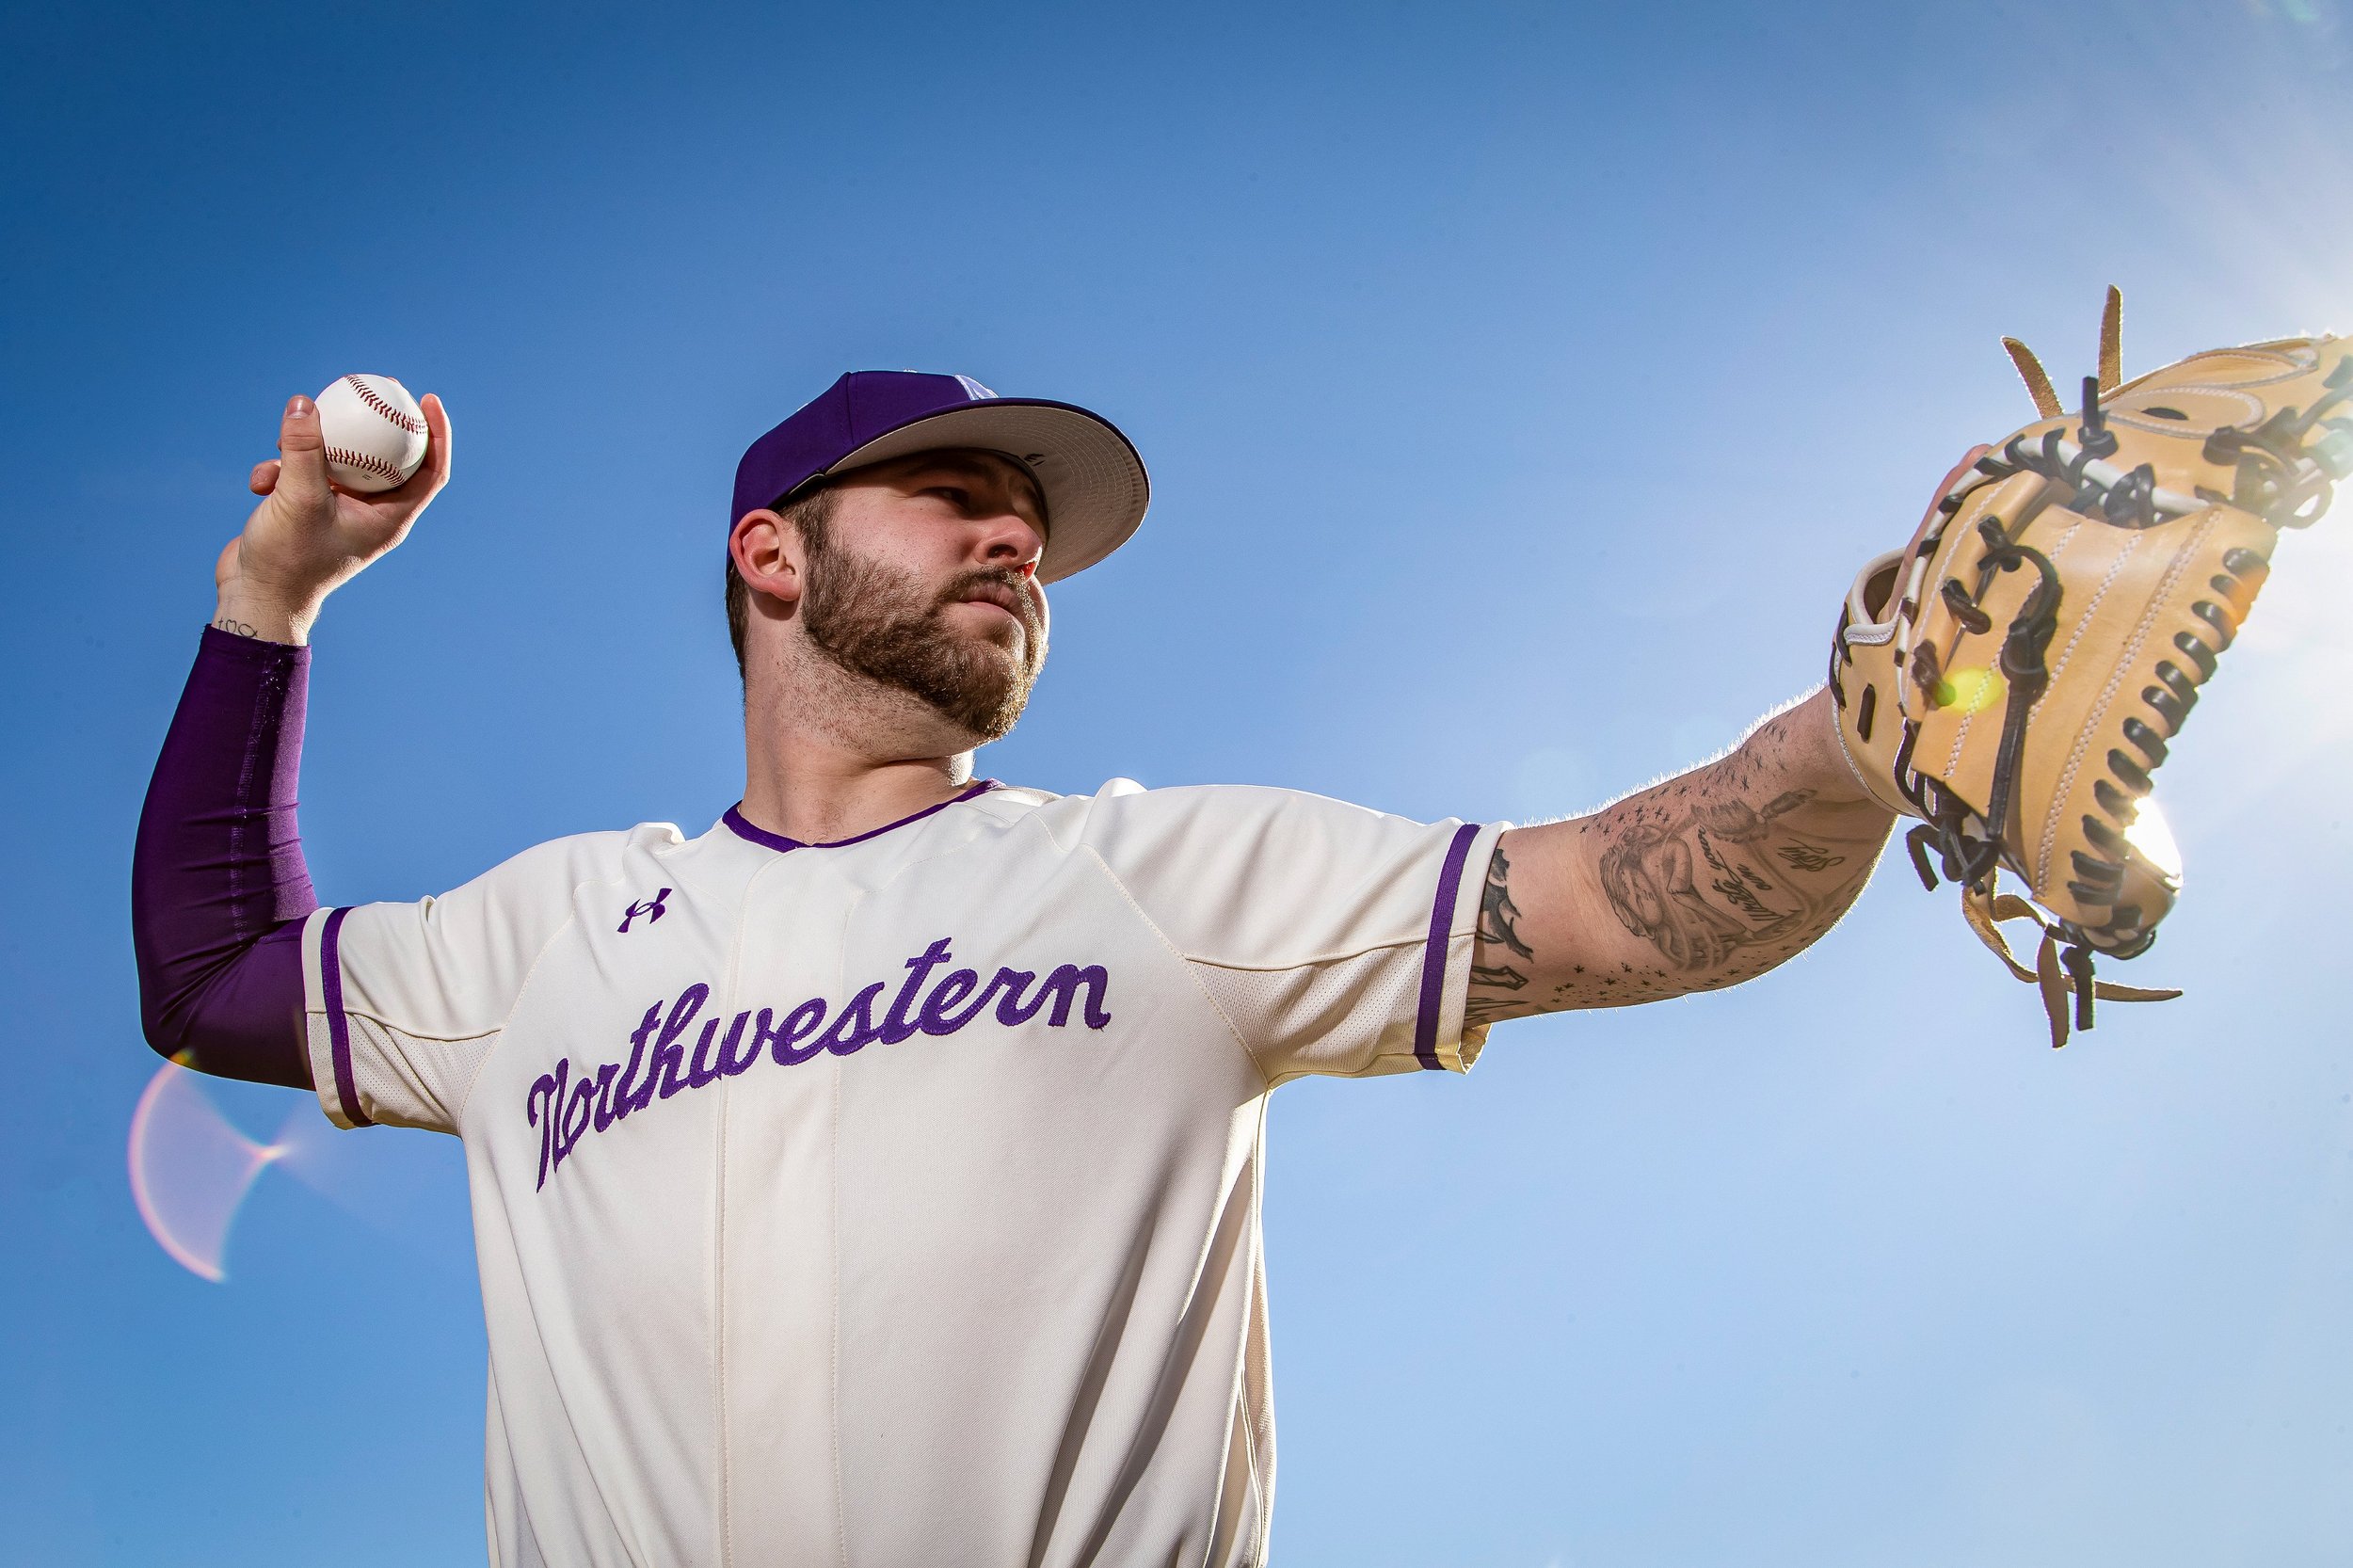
<point x="1692" y="885"/>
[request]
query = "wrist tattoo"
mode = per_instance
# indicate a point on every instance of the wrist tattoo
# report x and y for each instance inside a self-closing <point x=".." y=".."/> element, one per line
<point x="235" y="628"/>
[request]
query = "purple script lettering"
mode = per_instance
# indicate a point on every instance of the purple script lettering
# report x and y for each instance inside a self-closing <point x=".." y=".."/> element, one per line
<point x="668" y="1056"/>
<point x="700" y="1071"/>
<point x="853" y="1028"/>
<point x="578" y="1111"/>
<point x="731" y="1064"/>
<point x="798" y="1025"/>
<point x="567" y="1108"/>
<point x="896" y="1026"/>
<point x="625" y="1097"/>
<point x="1060" y="988"/>
<point x="546" y="1090"/>
<point x="938" y="1016"/>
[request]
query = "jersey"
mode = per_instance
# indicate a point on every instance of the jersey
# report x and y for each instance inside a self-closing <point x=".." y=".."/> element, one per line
<point x="894" y="1200"/>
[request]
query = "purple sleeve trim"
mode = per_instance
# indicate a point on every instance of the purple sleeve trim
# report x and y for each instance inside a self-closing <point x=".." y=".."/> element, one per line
<point x="1433" y="951"/>
<point x="218" y="887"/>
<point x="338" y="1022"/>
<point x="743" y="827"/>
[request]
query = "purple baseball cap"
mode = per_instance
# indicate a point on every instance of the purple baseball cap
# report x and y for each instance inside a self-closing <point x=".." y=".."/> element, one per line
<point x="1094" y="483"/>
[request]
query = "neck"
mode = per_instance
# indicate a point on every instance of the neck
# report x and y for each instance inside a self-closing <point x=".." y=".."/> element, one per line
<point x="829" y="754"/>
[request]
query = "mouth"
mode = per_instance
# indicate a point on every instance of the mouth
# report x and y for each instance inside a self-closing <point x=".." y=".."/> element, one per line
<point x="997" y="596"/>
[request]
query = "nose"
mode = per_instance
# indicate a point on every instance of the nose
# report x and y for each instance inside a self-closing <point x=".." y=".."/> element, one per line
<point x="1012" y="540"/>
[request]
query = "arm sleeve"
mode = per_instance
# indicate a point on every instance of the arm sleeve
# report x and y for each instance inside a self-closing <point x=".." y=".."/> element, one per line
<point x="405" y="1001"/>
<point x="218" y="887"/>
<point x="1334" y="939"/>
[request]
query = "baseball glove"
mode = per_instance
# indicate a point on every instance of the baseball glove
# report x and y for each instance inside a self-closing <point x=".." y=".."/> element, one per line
<point x="2014" y="676"/>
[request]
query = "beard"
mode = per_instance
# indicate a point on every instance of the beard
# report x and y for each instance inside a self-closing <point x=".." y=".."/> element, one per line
<point x="874" y="621"/>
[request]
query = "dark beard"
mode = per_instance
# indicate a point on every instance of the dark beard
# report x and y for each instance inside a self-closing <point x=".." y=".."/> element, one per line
<point x="877" y="623"/>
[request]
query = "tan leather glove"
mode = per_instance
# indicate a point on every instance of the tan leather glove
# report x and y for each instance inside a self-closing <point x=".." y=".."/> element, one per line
<point x="2014" y="676"/>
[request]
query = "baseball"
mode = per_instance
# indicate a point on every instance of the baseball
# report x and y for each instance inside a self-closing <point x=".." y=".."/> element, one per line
<point x="374" y="432"/>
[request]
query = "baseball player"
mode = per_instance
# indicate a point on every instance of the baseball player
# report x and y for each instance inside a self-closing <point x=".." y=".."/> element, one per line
<point x="873" y="1177"/>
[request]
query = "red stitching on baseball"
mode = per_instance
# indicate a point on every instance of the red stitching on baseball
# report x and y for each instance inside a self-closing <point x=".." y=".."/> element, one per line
<point x="368" y="396"/>
<point x="365" y="463"/>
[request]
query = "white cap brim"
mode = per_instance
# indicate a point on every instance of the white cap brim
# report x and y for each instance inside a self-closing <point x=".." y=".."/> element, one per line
<point x="1094" y="485"/>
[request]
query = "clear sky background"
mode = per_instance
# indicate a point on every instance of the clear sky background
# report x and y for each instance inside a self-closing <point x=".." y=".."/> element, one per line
<point x="1521" y="385"/>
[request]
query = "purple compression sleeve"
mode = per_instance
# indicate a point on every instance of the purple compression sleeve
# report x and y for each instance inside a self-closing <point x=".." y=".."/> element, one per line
<point x="218" y="888"/>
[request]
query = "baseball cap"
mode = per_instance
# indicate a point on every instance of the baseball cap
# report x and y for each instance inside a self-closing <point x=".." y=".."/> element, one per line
<point x="1094" y="485"/>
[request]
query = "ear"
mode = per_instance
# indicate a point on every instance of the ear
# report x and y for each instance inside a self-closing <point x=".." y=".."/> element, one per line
<point x="768" y="555"/>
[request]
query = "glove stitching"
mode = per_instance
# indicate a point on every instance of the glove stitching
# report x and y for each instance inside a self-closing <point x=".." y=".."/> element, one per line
<point x="2075" y="756"/>
<point x="2128" y="657"/>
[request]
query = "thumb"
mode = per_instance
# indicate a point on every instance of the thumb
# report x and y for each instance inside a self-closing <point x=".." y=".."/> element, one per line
<point x="302" y="453"/>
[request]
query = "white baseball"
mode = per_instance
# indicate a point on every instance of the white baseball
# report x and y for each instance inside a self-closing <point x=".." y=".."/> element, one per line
<point x="374" y="432"/>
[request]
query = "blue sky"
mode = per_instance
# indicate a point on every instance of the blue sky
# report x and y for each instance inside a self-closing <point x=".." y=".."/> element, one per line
<point x="1522" y="384"/>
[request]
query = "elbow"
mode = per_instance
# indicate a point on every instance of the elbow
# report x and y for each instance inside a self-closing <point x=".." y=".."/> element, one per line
<point x="163" y="1020"/>
<point x="163" y="1008"/>
<point x="157" y="1022"/>
<point x="235" y="1015"/>
<point x="178" y="983"/>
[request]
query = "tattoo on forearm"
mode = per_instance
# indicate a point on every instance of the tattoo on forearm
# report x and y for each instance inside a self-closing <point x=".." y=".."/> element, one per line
<point x="235" y="628"/>
<point x="1665" y="859"/>
<point x="1496" y="912"/>
<point x="1722" y="873"/>
<point x="1492" y="984"/>
<point x="1482" y="1010"/>
<point x="1500" y="977"/>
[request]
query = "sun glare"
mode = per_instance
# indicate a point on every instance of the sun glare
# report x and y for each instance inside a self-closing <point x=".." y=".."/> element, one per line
<point x="2150" y="835"/>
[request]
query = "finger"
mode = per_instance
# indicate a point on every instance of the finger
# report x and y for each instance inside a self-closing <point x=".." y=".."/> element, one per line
<point x="1959" y="471"/>
<point x="265" y="477"/>
<point x="225" y="569"/>
<point x="302" y="451"/>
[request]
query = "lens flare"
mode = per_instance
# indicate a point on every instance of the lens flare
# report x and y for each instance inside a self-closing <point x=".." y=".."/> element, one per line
<point x="1971" y="688"/>
<point x="190" y="1170"/>
<point x="2150" y="835"/>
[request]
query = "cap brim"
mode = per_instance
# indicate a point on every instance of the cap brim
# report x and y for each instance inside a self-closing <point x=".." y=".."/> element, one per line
<point x="1095" y="484"/>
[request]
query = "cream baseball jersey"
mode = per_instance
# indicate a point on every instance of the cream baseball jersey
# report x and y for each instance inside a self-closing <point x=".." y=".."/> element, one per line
<point x="892" y="1201"/>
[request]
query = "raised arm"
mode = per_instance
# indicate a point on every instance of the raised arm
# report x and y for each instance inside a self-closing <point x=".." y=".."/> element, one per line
<point x="218" y="887"/>
<point x="1692" y="885"/>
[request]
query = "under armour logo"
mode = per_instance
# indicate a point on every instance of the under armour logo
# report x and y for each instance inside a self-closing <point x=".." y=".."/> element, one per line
<point x="651" y="909"/>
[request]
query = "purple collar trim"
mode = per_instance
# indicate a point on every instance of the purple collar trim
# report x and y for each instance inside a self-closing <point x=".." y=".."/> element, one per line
<point x="742" y="827"/>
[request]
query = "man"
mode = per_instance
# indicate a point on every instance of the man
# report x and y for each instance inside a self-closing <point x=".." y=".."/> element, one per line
<point x="874" y="1179"/>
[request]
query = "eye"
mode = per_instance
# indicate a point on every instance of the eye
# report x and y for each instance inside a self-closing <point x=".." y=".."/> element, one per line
<point x="959" y="498"/>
